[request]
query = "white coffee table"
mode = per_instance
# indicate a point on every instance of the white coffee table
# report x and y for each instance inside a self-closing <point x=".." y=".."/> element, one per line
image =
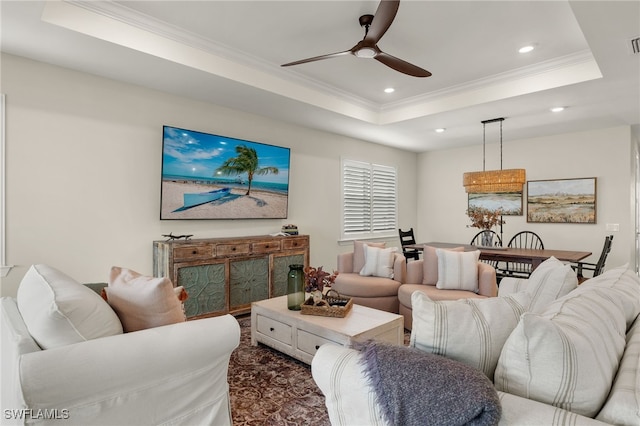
<point x="300" y="336"/>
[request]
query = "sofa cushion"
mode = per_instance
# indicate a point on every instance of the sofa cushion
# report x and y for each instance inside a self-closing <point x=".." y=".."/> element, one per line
<point x="430" y="264"/>
<point x="358" y="254"/>
<point x="58" y="310"/>
<point x="142" y="302"/>
<point x="358" y="286"/>
<point x="551" y="280"/>
<point x="568" y="355"/>
<point x="458" y="270"/>
<point x="472" y="331"/>
<point x="378" y="262"/>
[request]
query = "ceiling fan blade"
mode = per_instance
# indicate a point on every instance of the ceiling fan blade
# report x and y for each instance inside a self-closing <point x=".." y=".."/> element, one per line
<point x="382" y="20"/>
<point x="318" y="58"/>
<point x="401" y="66"/>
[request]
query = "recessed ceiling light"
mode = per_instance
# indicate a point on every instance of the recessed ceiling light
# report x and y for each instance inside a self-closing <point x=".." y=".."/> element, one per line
<point x="389" y="90"/>
<point x="440" y="130"/>
<point x="557" y="109"/>
<point x="526" y="49"/>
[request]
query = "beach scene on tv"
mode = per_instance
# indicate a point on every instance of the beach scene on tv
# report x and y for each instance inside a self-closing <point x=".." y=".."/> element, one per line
<point x="207" y="176"/>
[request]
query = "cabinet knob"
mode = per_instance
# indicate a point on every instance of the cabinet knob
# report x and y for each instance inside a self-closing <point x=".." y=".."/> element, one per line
<point x="194" y="252"/>
<point x="233" y="249"/>
<point x="271" y="329"/>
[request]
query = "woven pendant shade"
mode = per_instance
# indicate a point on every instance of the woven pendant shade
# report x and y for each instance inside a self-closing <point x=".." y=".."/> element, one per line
<point x="496" y="181"/>
<point x="493" y="181"/>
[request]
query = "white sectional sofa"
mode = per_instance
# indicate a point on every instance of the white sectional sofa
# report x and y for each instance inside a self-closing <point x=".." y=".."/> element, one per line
<point x="557" y="354"/>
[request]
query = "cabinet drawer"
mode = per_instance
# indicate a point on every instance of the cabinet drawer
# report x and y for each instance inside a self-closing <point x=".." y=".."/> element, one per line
<point x="293" y="244"/>
<point x="203" y="251"/>
<point x="231" y="249"/>
<point x="309" y="342"/>
<point x="275" y="329"/>
<point x="265" y="247"/>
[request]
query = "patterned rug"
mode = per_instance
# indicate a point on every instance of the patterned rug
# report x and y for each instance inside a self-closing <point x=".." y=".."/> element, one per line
<point x="270" y="388"/>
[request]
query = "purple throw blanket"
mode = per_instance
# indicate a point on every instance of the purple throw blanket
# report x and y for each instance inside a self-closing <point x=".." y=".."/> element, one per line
<point x="414" y="387"/>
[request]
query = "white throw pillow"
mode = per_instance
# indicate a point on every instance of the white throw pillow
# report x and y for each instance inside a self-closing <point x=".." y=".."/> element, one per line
<point x="551" y="280"/>
<point x="430" y="264"/>
<point x="378" y="262"/>
<point x="143" y="302"/>
<point x="458" y="270"/>
<point x="358" y="253"/>
<point x="568" y="355"/>
<point x="472" y="331"/>
<point x="59" y="311"/>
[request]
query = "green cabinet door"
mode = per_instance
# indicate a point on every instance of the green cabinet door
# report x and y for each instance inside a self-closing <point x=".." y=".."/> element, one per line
<point x="248" y="281"/>
<point x="280" y="272"/>
<point x="205" y="285"/>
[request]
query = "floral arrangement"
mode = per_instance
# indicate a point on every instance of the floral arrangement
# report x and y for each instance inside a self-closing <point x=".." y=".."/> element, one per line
<point x="484" y="218"/>
<point x="316" y="278"/>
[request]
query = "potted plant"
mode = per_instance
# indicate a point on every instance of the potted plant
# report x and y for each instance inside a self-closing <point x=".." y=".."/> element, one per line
<point x="485" y="219"/>
<point x="316" y="279"/>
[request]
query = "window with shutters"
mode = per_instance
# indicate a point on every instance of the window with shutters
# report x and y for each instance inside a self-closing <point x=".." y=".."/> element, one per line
<point x="368" y="200"/>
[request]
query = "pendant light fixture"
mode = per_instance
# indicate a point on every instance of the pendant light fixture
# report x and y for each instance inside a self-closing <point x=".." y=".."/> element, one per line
<point x="496" y="181"/>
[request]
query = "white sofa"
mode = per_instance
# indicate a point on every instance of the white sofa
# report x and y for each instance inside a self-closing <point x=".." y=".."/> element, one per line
<point x="173" y="374"/>
<point x="573" y="360"/>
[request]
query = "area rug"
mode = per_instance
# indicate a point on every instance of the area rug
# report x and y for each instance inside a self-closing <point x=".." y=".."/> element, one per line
<point x="270" y="388"/>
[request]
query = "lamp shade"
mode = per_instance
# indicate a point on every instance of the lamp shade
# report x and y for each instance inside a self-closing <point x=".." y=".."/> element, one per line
<point x="496" y="181"/>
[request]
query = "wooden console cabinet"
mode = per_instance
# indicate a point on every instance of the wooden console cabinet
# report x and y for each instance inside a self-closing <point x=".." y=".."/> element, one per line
<point x="225" y="275"/>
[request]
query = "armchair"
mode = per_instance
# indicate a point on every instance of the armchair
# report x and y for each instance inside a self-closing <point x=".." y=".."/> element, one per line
<point x="373" y="291"/>
<point x="173" y="374"/>
<point x="422" y="275"/>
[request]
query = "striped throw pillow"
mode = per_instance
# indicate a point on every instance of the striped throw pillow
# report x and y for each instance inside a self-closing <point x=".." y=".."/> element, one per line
<point x="548" y="282"/>
<point x="568" y="355"/>
<point x="457" y="270"/>
<point x="623" y="404"/>
<point x="471" y="331"/>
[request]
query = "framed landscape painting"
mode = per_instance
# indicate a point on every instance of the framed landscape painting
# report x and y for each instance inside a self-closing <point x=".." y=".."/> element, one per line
<point x="562" y="201"/>
<point x="509" y="202"/>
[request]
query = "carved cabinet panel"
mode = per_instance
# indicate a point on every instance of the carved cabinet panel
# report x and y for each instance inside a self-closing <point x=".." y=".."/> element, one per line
<point x="225" y="275"/>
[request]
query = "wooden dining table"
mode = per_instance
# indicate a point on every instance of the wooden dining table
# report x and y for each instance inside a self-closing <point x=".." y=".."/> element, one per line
<point x="508" y="254"/>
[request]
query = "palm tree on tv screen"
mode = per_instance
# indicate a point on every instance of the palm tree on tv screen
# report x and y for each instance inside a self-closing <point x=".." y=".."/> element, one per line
<point x="245" y="162"/>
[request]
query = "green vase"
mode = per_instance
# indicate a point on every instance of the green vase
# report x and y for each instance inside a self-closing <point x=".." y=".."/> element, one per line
<point x="295" y="287"/>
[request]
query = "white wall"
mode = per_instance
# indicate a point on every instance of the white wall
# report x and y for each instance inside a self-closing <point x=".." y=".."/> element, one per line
<point x="604" y="154"/>
<point x="83" y="172"/>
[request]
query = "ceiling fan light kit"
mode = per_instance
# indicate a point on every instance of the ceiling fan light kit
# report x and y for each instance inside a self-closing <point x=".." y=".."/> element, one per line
<point x="493" y="181"/>
<point x="367" y="48"/>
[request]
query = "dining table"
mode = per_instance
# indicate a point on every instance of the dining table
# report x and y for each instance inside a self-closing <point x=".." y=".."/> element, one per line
<point x="511" y="254"/>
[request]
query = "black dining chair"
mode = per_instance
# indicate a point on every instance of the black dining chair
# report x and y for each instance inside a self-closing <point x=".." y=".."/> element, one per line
<point x="526" y="240"/>
<point x="407" y="238"/>
<point x="595" y="268"/>
<point x="497" y="242"/>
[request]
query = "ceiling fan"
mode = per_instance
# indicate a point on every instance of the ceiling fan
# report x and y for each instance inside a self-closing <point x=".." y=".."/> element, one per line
<point x="368" y="46"/>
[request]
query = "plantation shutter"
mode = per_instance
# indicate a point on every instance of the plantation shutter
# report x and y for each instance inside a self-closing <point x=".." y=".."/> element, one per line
<point x="383" y="198"/>
<point x="369" y="200"/>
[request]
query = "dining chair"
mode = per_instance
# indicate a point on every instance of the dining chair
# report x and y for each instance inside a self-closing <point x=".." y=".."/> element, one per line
<point x="497" y="242"/>
<point x="595" y="268"/>
<point x="407" y="238"/>
<point x="527" y="240"/>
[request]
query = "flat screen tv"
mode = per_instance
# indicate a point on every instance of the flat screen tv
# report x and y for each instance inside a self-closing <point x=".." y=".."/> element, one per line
<point x="207" y="176"/>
